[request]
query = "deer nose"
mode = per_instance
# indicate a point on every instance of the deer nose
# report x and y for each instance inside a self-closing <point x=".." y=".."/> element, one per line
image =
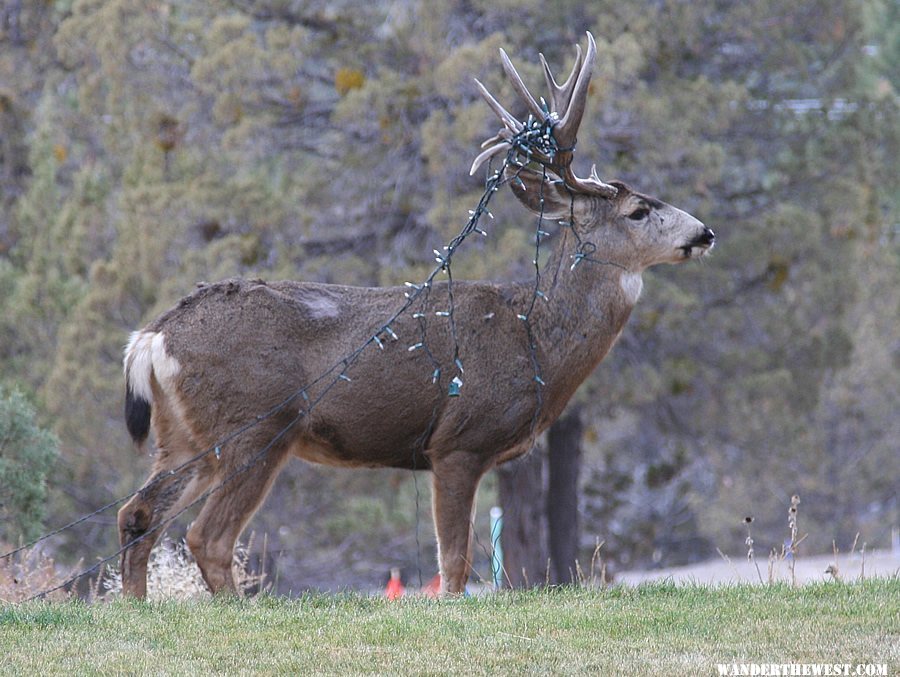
<point x="706" y="238"/>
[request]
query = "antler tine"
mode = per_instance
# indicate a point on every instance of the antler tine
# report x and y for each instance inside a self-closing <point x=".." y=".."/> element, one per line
<point x="560" y="95"/>
<point x="500" y="141"/>
<point x="503" y="135"/>
<point x="575" y="90"/>
<point x="492" y="146"/>
<point x="501" y="112"/>
<point x="520" y="87"/>
<point x="485" y="155"/>
<point x="567" y="128"/>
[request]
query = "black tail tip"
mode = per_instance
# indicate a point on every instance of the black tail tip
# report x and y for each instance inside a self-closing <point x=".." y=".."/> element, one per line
<point x="137" y="416"/>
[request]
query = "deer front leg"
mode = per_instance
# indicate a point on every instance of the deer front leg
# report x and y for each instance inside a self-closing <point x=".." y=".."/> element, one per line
<point x="455" y="483"/>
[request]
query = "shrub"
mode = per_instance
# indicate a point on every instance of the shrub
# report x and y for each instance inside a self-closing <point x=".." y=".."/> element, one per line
<point x="27" y="453"/>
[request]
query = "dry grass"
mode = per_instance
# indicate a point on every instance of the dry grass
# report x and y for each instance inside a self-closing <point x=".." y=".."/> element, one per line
<point x="172" y="574"/>
<point x="28" y="573"/>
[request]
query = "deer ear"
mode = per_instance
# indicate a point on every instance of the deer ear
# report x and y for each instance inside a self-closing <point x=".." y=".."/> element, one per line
<point x="557" y="201"/>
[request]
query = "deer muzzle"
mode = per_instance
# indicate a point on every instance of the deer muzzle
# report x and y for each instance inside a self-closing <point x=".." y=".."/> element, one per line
<point x="700" y="245"/>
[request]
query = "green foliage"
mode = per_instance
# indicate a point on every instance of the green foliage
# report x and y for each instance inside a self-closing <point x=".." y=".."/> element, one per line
<point x="27" y="457"/>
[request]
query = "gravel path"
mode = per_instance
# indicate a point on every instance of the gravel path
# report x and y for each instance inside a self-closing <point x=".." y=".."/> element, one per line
<point x="739" y="570"/>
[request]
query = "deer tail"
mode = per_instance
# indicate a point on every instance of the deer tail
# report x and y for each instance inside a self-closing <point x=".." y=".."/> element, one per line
<point x="137" y="415"/>
<point x="145" y="359"/>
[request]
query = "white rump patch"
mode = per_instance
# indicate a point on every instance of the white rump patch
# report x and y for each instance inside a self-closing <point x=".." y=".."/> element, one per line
<point x="146" y="354"/>
<point x="631" y="284"/>
<point x="321" y="307"/>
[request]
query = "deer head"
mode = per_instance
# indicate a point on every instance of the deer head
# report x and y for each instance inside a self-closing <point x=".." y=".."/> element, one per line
<point x="639" y="231"/>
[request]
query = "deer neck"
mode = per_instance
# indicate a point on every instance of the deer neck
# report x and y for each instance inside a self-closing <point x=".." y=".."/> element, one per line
<point x="584" y="313"/>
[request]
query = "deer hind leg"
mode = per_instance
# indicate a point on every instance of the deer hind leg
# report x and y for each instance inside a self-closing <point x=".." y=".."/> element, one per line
<point x="213" y="534"/>
<point x="143" y="518"/>
<point x="456" y="477"/>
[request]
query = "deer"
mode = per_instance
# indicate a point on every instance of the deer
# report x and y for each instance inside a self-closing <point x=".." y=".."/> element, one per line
<point x="234" y="349"/>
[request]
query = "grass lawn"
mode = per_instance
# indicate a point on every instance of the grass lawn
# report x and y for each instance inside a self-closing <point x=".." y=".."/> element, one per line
<point x="651" y="629"/>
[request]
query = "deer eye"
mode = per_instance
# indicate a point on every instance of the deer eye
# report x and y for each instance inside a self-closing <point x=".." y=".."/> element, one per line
<point x="639" y="214"/>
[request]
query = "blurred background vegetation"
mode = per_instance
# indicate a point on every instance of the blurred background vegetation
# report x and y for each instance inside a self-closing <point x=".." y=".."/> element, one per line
<point x="147" y="146"/>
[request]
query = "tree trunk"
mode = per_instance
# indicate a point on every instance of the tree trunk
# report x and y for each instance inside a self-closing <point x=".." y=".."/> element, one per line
<point x="564" y="460"/>
<point x="521" y="486"/>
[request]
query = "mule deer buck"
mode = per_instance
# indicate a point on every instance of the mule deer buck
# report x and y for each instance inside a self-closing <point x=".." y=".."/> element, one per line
<point x="235" y="349"/>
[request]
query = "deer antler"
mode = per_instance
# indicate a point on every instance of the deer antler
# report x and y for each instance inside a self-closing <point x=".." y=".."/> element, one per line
<point x="564" y="115"/>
